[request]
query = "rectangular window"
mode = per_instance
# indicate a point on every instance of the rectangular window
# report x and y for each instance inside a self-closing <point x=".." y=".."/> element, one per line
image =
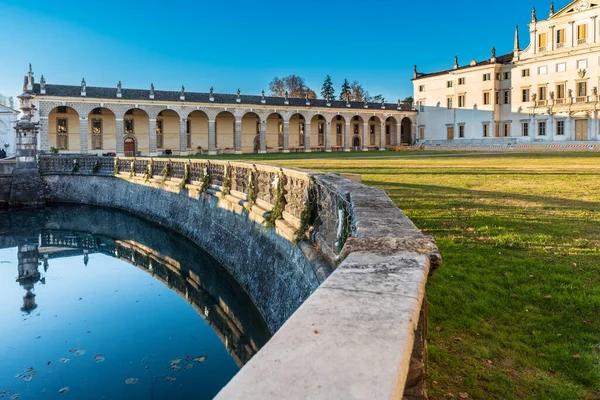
<point x="581" y="33"/>
<point x="561" y="67"/>
<point x="542" y="128"/>
<point x="560" y="127"/>
<point x="486" y="98"/>
<point x="506" y="130"/>
<point x="525" y="73"/>
<point x="487" y="77"/>
<point x="525" y="129"/>
<point x="461" y="81"/>
<point x="542" y="93"/>
<point x="461" y="100"/>
<point x="338" y="135"/>
<point x="449" y="84"/>
<point x="498" y="76"/>
<point x="422" y="88"/>
<point x="525" y="97"/>
<point x="321" y="128"/>
<point x="128" y="123"/>
<point x="581" y="89"/>
<point x="355" y="129"/>
<point x="560" y="38"/>
<point x="542" y="41"/>
<point x="61" y="109"/>
<point x="560" y="91"/>
<point x="372" y="135"/>
<point x="61" y="125"/>
<point x="543" y="70"/>
<point x="486" y="130"/>
<point x="581" y="64"/>
<point x="387" y="135"/>
<point x="159" y="134"/>
<point x="506" y="75"/>
<point x="62" y="134"/>
<point x="421" y="133"/>
<point x="507" y="97"/>
<point x="497" y="97"/>
<point x="449" y="102"/>
<point x="280" y="134"/>
<point x="96" y="134"/>
<point x="188" y="130"/>
<point x="461" y="131"/>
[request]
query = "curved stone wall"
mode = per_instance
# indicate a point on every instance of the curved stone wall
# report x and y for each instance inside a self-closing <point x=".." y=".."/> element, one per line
<point x="360" y="334"/>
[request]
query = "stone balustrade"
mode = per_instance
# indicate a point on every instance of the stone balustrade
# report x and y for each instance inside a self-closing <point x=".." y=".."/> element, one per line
<point x="359" y="332"/>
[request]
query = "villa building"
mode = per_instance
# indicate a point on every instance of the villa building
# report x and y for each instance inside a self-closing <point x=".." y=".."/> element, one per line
<point x="84" y="119"/>
<point x="546" y="92"/>
<point x="8" y="118"/>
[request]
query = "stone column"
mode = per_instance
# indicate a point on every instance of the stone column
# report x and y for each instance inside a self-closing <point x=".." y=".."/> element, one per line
<point x="365" y="136"/>
<point x="398" y="138"/>
<point x="569" y="128"/>
<point x="382" y="136"/>
<point x="120" y="137"/>
<point x="211" y="138"/>
<point x="347" y="136"/>
<point x="327" y="135"/>
<point x="183" y="149"/>
<point x="413" y="133"/>
<point x="550" y="129"/>
<point x="263" y="137"/>
<point x="83" y="135"/>
<point x="152" y="137"/>
<point x="237" y="136"/>
<point x="306" y="136"/>
<point x="286" y="136"/>
<point x="44" y="135"/>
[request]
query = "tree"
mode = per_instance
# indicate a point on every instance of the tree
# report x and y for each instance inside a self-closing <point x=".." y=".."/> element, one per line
<point x="378" y="98"/>
<point x="327" y="91"/>
<point x="409" y="100"/>
<point x="358" y="93"/>
<point x="292" y="84"/>
<point x="311" y="94"/>
<point x="345" y="89"/>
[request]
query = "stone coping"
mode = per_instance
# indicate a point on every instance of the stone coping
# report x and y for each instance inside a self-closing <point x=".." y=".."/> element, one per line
<point x="361" y="334"/>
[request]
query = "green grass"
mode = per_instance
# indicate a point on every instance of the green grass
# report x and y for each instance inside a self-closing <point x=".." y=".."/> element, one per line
<point x="512" y="230"/>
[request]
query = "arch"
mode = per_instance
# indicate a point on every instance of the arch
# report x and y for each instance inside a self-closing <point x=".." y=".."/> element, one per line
<point x="274" y="135"/>
<point x="296" y="132"/>
<point x="64" y="129"/>
<point x="356" y="142"/>
<point x="357" y="130"/>
<point x="390" y="134"/>
<point x="197" y="128"/>
<point x="336" y="134"/>
<point x="102" y="130"/>
<point x="406" y="131"/>
<point x="318" y="128"/>
<point x="225" y="132"/>
<point x="167" y="130"/>
<point x="373" y="132"/>
<point x="136" y="123"/>
<point x="251" y="125"/>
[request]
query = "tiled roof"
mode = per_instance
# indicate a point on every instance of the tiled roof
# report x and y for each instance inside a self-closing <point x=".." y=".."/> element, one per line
<point x="503" y="59"/>
<point x="161" y="95"/>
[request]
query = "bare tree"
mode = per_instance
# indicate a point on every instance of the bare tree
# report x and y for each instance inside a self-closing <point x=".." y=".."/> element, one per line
<point x="293" y="85"/>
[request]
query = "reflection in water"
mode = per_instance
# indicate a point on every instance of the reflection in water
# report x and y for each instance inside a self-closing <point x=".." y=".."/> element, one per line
<point x="52" y="238"/>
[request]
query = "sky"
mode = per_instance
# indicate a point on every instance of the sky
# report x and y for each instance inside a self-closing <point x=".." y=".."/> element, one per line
<point x="232" y="44"/>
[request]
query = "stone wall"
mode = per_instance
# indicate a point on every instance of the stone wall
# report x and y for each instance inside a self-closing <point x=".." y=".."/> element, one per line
<point x="359" y="333"/>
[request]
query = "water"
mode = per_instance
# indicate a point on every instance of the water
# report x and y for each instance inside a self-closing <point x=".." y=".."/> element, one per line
<point x="108" y="306"/>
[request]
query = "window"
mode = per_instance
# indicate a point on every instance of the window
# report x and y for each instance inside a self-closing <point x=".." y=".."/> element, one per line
<point x="542" y="93"/>
<point x="543" y="70"/>
<point x="560" y="91"/>
<point x="421" y="133"/>
<point x="129" y="126"/>
<point x="487" y="77"/>
<point x="61" y="109"/>
<point x="560" y="38"/>
<point x="449" y="84"/>
<point x="581" y="33"/>
<point x="422" y="88"/>
<point x="321" y="129"/>
<point x="542" y="41"/>
<point x="498" y="76"/>
<point x="461" y="81"/>
<point x="461" y="131"/>
<point x="561" y="67"/>
<point x="159" y="134"/>
<point x="581" y="64"/>
<point x="338" y="135"/>
<point x="449" y="102"/>
<point x="506" y="129"/>
<point x="542" y="128"/>
<point x="280" y="133"/>
<point x="560" y="127"/>
<point x="486" y="130"/>
<point x="507" y="97"/>
<point x="506" y="75"/>
<point x="188" y="131"/>
<point x="581" y="89"/>
<point x="372" y="135"/>
<point x="525" y="129"/>
<point x="497" y="97"/>
<point x="355" y="129"/>
<point x="97" y="111"/>
<point x="62" y="134"/>
<point x="461" y="100"/>
<point x="525" y="72"/>
<point x="486" y="98"/>
<point x="301" y="133"/>
<point x="387" y="135"/>
<point x="96" y="134"/>
<point x="525" y="97"/>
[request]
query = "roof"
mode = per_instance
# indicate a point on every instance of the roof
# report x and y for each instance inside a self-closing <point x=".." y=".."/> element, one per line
<point x="219" y="98"/>
<point x="7" y="110"/>
<point x="503" y="59"/>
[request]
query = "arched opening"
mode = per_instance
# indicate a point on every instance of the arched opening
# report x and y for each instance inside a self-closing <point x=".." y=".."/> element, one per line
<point x="373" y="133"/>
<point x="129" y="147"/>
<point x="356" y="142"/>
<point x="338" y="124"/>
<point x="357" y="127"/>
<point x="167" y="132"/>
<point x="296" y="134"/>
<point x="318" y="128"/>
<point x="225" y="132"/>
<point x="63" y="129"/>
<point x="389" y="136"/>
<point x="250" y="133"/>
<point x="102" y="130"/>
<point x="136" y="125"/>
<point x="274" y="133"/>
<point x="405" y="131"/>
<point x="197" y="128"/>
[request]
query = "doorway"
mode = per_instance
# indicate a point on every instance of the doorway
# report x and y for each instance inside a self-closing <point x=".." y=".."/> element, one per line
<point x="450" y="132"/>
<point x="129" y="147"/>
<point x="356" y="143"/>
<point x="581" y="129"/>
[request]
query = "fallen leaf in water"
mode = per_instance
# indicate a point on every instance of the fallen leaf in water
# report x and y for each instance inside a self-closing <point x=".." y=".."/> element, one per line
<point x="188" y="366"/>
<point x="131" y="381"/>
<point x="64" y="360"/>
<point x="169" y="378"/>
<point x="15" y="396"/>
<point x="64" y="390"/>
<point x="176" y="361"/>
<point x="72" y="350"/>
<point x="99" y="358"/>
<point x="5" y="393"/>
<point x="200" y="359"/>
<point x="174" y="367"/>
<point x="28" y="375"/>
<point x="79" y="353"/>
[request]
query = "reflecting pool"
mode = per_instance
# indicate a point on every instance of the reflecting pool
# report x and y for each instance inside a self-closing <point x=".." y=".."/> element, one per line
<point x="99" y="304"/>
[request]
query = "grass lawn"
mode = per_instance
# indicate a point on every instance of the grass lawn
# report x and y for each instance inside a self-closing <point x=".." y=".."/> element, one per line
<point x="515" y="307"/>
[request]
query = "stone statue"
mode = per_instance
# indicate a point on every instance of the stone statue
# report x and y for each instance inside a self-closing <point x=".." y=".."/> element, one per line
<point x="182" y="90"/>
<point x="533" y="16"/>
<point x="533" y="97"/>
<point x="119" y="86"/>
<point x="383" y="101"/>
<point x="594" y="91"/>
<point x="83" y="85"/>
<point x="286" y="94"/>
<point x="306" y="96"/>
<point x="211" y="91"/>
<point x="570" y="93"/>
<point x="238" y="92"/>
<point x="11" y="102"/>
<point x="42" y="83"/>
<point x="552" y="9"/>
<point x="455" y="62"/>
<point x="152" y="88"/>
<point x="263" y="94"/>
<point x="552" y="95"/>
<point x="493" y="52"/>
<point x="327" y="97"/>
<point x="30" y="77"/>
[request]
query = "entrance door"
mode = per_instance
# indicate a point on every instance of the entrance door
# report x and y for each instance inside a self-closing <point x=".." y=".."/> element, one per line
<point x="581" y="129"/>
<point x="129" y="147"/>
<point x="450" y="133"/>
<point x="356" y="143"/>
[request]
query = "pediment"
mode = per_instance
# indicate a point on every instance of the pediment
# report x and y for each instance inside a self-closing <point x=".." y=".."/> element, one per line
<point x="574" y="7"/>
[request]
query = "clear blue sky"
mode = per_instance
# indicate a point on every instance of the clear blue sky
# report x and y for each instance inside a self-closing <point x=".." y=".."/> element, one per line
<point x="230" y="44"/>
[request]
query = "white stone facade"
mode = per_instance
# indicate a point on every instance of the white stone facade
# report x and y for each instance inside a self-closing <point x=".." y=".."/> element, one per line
<point x="547" y="92"/>
<point x="8" y="117"/>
